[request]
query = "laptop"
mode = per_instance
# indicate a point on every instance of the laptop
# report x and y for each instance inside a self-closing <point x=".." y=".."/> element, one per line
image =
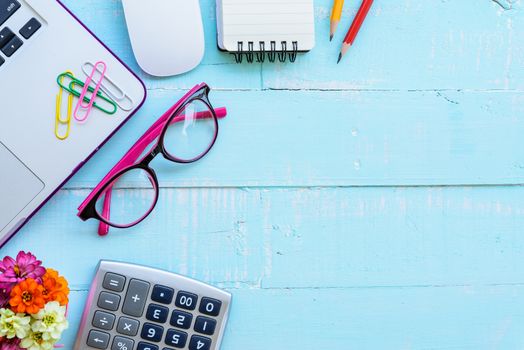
<point x="39" y="40"/>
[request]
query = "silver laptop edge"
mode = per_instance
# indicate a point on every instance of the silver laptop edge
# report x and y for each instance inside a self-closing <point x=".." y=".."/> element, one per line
<point x="34" y="162"/>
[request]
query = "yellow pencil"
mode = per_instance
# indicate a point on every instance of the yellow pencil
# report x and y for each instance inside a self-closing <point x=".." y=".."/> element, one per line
<point x="336" y="13"/>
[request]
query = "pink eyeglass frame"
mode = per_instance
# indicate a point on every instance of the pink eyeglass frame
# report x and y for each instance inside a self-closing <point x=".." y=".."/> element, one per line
<point x="87" y="209"/>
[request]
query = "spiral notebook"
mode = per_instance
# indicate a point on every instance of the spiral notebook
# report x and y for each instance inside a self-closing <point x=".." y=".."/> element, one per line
<point x="260" y="29"/>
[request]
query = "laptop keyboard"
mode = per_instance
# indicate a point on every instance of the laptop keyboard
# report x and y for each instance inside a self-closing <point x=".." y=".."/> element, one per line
<point x="7" y="9"/>
<point x="10" y="41"/>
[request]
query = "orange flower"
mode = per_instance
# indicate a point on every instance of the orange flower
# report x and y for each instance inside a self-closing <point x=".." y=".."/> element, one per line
<point x="55" y="287"/>
<point x="27" y="296"/>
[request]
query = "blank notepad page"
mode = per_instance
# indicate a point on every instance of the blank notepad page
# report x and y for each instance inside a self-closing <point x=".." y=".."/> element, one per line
<point x="265" y="21"/>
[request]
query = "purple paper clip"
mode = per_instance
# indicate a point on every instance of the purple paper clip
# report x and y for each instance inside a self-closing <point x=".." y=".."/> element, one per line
<point x="100" y="67"/>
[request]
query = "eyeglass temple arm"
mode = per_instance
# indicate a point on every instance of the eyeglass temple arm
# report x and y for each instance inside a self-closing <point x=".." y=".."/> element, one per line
<point x="132" y="155"/>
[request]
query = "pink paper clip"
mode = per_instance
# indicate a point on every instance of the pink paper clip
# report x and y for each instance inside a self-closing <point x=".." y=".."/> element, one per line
<point x="100" y="67"/>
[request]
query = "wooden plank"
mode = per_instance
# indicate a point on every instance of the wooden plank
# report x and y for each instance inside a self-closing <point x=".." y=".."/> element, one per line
<point x="410" y="45"/>
<point x="343" y="237"/>
<point x="343" y="138"/>
<point x="361" y="319"/>
<point x="484" y="53"/>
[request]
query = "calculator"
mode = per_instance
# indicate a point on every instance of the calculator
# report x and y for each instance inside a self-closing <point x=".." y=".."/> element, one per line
<point x="133" y="307"/>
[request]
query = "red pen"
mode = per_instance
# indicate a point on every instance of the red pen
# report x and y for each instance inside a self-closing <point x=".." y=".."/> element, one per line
<point x="355" y="27"/>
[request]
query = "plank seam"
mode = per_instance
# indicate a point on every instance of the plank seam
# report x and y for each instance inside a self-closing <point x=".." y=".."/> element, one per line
<point x="312" y="187"/>
<point x="415" y="286"/>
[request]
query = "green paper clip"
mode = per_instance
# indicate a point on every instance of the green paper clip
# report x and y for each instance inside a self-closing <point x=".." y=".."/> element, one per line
<point x="75" y="82"/>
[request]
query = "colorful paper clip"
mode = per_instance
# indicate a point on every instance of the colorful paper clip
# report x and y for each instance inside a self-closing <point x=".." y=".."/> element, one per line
<point x="110" y="88"/>
<point x="83" y="108"/>
<point x="110" y="109"/>
<point x="58" y="117"/>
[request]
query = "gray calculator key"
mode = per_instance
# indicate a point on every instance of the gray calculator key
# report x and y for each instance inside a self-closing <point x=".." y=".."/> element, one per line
<point x="103" y="320"/>
<point x="136" y="298"/>
<point x="98" y="340"/>
<point x="127" y="326"/>
<point x="108" y="301"/>
<point x="121" y="343"/>
<point x="114" y="282"/>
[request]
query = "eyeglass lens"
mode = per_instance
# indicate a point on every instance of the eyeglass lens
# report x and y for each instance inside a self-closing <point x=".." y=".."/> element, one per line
<point x="192" y="132"/>
<point x="129" y="207"/>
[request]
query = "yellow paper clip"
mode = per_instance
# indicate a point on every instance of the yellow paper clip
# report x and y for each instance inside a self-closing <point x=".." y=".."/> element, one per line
<point x="58" y="119"/>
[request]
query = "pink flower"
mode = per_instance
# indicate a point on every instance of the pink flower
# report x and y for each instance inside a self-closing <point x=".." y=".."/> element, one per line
<point x="9" y="344"/>
<point x="14" y="271"/>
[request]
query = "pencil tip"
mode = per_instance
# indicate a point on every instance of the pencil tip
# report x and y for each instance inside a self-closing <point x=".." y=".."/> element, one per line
<point x="331" y="37"/>
<point x="339" y="57"/>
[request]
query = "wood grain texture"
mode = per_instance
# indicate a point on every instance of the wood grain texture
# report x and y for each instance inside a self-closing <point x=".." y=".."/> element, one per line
<point x="342" y="138"/>
<point x="347" y="262"/>
<point x="377" y="204"/>
<point x="346" y="237"/>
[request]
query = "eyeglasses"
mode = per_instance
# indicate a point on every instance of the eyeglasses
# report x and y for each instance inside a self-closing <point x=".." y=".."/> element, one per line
<point x="184" y="134"/>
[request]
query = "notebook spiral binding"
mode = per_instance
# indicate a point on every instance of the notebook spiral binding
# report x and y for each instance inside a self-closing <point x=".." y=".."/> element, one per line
<point x="272" y="53"/>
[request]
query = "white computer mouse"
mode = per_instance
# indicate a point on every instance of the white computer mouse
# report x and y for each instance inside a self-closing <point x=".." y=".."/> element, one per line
<point x="167" y="36"/>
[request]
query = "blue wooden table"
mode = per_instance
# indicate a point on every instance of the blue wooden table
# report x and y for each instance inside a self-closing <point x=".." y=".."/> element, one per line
<point x="374" y="204"/>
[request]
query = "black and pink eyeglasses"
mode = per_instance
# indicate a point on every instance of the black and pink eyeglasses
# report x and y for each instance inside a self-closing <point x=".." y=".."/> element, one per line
<point x="184" y="134"/>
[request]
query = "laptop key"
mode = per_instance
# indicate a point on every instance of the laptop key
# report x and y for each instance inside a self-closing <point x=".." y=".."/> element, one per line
<point x="30" y="28"/>
<point x="7" y="8"/>
<point x="12" y="46"/>
<point x="5" y="35"/>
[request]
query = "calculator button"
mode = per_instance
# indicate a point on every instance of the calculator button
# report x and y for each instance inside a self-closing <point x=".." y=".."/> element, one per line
<point x="108" y="301"/>
<point x="103" y="320"/>
<point x="127" y="326"/>
<point x="162" y="294"/>
<point x="146" y="346"/>
<point x="152" y="332"/>
<point x="121" y="343"/>
<point x="98" y="340"/>
<point x="186" y="300"/>
<point x="30" y="28"/>
<point x="1" y="61"/>
<point x="176" y="338"/>
<point x="199" y="343"/>
<point x="157" y="313"/>
<point x="136" y="298"/>
<point x="7" y="8"/>
<point x="114" y="282"/>
<point x="181" y="319"/>
<point x="210" y="306"/>
<point x="205" y="325"/>
<point x="12" y="46"/>
<point x="5" y="35"/>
